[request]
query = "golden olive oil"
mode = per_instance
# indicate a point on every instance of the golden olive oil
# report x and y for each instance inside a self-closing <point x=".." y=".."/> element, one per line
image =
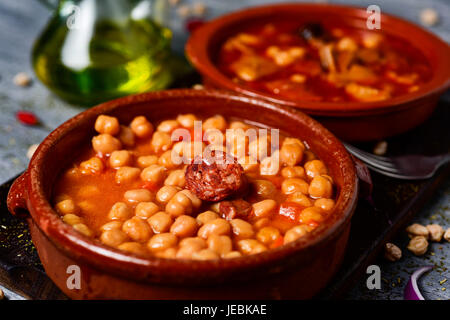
<point x="109" y="59"/>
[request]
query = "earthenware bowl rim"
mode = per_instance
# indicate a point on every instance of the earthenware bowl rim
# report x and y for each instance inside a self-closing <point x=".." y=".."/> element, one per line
<point x="197" y="50"/>
<point x="92" y="251"/>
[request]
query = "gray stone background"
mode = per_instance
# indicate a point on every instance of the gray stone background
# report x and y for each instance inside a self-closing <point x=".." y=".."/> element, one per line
<point x="20" y="24"/>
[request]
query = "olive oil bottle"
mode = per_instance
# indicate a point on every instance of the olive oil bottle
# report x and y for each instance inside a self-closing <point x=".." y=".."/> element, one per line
<point x="102" y="53"/>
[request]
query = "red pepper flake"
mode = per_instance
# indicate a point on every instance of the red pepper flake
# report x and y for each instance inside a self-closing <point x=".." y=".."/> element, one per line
<point x="27" y="118"/>
<point x="193" y="24"/>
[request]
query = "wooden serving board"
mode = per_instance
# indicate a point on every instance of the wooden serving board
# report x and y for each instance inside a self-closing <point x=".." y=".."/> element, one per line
<point x="374" y="223"/>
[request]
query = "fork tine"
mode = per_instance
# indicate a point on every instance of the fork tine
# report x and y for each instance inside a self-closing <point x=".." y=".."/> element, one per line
<point x="386" y="166"/>
<point x="397" y="175"/>
<point x="374" y="156"/>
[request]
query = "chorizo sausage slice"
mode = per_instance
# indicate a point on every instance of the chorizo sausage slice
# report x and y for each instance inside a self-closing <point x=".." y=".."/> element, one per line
<point x="235" y="209"/>
<point x="215" y="177"/>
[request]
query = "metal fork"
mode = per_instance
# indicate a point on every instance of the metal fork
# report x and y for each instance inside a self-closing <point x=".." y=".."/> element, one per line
<point x="410" y="167"/>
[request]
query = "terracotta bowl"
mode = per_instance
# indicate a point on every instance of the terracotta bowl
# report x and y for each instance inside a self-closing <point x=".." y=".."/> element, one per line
<point x="297" y="270"/>
<point x="353" y="121"/>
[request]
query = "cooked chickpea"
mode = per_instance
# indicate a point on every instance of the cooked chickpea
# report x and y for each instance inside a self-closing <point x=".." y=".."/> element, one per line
<point x="186" y="120"/>
<point x="184" y="226"/>
<point x="120" y="211"/>
<point x="147" y="161"/>
<point x="293" y="172"/>
<point x="242" y="229"/>
<point x="93" y="165"/>
<point x="206" y="216"/>
<point x="291" y="154"/>
<point x="311" y="214"/>
<point x="292" y="185"/>
<point x="145" y="210"/>
<point x="112" y="225"/>
<point x="141" y="127"/>
<point x="294" y="141"/>
<point x="87" y="207"/>
<point x="162" y="241"/>
<point x="217" y="122"/>
<point x="137" y="229"/>
<point x="138" y="195"/>
<point x="193" y="242"/>
<point x="190" y="245"/>
<point x="176" y="178"/>
<point x="251" y="246"/>
<point x="161" y="141"/>
<point x="324" y="204"/>
<point x="120" y="158"/>
<point x="214" y="137"/>
<point x="195" y="201"/>
<point x="237" y="143"/>
<point x="133" y="247"/>
<point x="264" y="208"/>
<point x="300" y="199"/>
<point x="259" y="148"/>
<point x="166" y="193"/>
<point x="160" y="222"/>
<point x="217" y="226"/>
<point x="126" y="136"/>
<point x="61" y="197"/>
<point x="88" y="191"/>
<point x="113" y="237"/>
<point x="182" y="198"/>
<point x="127" y="174"/>
<point x="315" y="168"/>
<point x="220" y="244"/>
<point x="165" y="160"/>
<point x="264" y="188"/>
<point x="295" y="233"/>
<point x="154" y="173"/>
<point x="105" y="143"/>
<point x="320" y="187"/>
<point x="239" y="125"/>
<point x="168" y="126"/>
<point x="187" y="151"/>
<point x="84" y="229"/>
<point x="270" y="166"/>
<point x="261" y="223"/>
<point x="72" y="219"/>
<point x="170" y="253"/>
<point x="268" y="235"/>
<point x="248" y="164"/>
<point x="232" y="254"/>
<point x="205" y="254"/>
<point x="180" y="204"/>
<point x="67" y="206"/>
<point x="107" y="124"/>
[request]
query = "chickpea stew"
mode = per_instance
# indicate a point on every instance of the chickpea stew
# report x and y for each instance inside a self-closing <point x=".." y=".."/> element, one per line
<point x="319" y="62"/>
<point x="150" y="190"/>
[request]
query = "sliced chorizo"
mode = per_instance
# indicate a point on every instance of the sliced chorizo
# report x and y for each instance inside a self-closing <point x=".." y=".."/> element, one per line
<point x="215" y="177"/>
<point x="235" y="209"/>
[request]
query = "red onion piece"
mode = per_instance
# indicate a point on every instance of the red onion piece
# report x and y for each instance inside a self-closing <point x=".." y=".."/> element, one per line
<point x="412" y="291"/>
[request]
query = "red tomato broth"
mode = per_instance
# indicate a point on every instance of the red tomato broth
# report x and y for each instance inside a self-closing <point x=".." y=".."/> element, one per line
<point x="394" y="55"/>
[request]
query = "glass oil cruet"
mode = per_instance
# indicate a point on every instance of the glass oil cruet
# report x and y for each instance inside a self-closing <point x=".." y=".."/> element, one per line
<point x="96" y="50"/>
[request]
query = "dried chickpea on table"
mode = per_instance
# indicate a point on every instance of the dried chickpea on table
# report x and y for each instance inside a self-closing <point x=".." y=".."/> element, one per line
<point x="127" y="191"/>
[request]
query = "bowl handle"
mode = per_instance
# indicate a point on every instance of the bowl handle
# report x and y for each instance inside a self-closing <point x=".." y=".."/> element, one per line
<point x="17" y="196"/>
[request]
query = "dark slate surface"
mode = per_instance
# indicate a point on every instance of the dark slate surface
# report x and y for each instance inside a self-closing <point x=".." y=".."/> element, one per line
<point x="20" y="23"/>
